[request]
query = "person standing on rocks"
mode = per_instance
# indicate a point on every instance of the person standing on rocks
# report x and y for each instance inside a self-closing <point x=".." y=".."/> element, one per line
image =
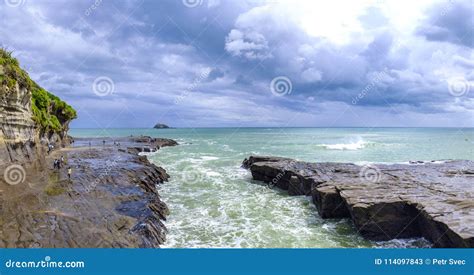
<point x="69" y="172"/>
<point x="50" y="148"/>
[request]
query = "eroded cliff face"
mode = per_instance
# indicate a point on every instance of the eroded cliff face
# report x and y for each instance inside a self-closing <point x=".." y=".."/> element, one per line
<point x="18" y="133"/>
<point x="30" y="117"/>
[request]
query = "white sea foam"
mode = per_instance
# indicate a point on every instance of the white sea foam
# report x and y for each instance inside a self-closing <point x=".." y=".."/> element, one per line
<point x="360" y="144"/>
<point x="209" y="158"/>
<point x="404" y="243"/>
<point x="222" y="208"/>
<point x="212" y="174"/>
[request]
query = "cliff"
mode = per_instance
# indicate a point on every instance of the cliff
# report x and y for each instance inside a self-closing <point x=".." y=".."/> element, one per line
<point x="30" y="117"/>
<point x="104" y="195"/>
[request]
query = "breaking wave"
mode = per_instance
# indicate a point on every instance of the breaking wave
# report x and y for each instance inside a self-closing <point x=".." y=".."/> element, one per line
<point x="355" y="145"/>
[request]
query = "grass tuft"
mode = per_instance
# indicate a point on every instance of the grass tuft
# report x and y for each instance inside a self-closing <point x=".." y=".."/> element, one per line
<point x="49" y="111"/>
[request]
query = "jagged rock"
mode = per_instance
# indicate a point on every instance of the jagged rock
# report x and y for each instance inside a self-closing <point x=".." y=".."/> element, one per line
<point x="426" y="199"/>
<point x="154" y="143"/>
<point x="147" y="144"/>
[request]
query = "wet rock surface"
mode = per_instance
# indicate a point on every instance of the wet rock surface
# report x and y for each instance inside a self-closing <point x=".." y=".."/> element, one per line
<point x="433" y="200"/>
<point x="110" y="201"/>
<point x="132" y="144"/>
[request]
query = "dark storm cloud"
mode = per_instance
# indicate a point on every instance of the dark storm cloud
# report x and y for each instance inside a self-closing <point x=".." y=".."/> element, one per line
<point x="212" y="64"/>
<point x="451" y="21"/>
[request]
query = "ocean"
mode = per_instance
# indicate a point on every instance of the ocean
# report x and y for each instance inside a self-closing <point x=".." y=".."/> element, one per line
<point x="215" y="203"/>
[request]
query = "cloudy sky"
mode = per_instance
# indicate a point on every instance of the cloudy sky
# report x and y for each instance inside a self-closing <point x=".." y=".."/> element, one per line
<point x="201" y="63"/>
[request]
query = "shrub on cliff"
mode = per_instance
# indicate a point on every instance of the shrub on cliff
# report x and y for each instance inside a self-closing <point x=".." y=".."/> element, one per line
<point x="49" y="111"/>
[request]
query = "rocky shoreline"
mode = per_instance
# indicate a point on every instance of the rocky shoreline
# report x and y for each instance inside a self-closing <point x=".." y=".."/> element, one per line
<point x="110" y="201"/>
<point x="433" y="200"/>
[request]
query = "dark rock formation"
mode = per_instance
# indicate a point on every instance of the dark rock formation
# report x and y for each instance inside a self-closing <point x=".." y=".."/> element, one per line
<point x="433" y="200"/>
<point x="154" y="142"/>
<point x="148" y="144"/>
<point x="161" y="126"/>
<point x="110" y="201"/>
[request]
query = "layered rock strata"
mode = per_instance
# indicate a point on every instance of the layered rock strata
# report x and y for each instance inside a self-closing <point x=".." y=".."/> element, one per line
<point x="433" y="200"/>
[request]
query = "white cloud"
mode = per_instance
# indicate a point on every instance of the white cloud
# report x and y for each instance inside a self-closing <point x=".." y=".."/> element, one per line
<point x="251" y="45"/>
<point x="311" y="75"/>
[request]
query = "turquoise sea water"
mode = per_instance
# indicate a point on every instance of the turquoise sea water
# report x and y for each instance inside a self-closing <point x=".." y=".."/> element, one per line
<point x="215" y="203"/>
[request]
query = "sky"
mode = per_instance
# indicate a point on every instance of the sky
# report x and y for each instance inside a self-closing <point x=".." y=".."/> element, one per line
<point x="250" y="63"/>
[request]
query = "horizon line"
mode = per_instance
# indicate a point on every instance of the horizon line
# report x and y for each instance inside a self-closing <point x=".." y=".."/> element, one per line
<point x="228" y="127"/>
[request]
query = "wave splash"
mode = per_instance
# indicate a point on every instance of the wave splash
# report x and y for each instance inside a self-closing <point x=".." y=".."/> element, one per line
<point x="355" y="145"/>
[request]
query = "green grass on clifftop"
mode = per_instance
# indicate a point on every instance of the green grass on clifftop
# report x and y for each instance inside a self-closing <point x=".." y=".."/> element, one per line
<point x="49" y="111"/>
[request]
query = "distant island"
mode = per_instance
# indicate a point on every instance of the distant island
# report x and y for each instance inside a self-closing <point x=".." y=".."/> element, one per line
<point x="161" y="126"/>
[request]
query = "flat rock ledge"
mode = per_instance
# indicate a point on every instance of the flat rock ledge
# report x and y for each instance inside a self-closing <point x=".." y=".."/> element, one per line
<point x="110" y="201"/>
<point x="433" y="199"/>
